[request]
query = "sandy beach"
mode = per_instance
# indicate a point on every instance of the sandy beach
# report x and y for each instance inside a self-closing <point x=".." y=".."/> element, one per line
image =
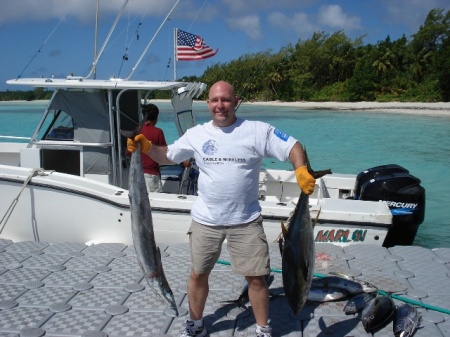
<point x="434" y="109"/>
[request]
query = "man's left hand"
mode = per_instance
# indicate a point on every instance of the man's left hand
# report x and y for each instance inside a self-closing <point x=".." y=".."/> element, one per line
<point x="306" y="181"/>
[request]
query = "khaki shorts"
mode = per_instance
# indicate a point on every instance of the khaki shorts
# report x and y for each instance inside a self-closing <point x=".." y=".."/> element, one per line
<point x="247" y="246"/>
<point x="153" y="182"/>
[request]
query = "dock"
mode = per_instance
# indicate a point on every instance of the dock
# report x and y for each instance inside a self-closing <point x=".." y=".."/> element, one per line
<point x="72" y="289"/>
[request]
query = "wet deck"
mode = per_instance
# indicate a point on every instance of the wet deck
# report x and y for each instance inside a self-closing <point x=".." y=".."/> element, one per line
<point x="71" y="289"/>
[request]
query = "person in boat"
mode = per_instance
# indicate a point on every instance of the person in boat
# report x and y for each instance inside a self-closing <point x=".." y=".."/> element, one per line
<point x="228" y="151"/>
<point x="155" y="135"/>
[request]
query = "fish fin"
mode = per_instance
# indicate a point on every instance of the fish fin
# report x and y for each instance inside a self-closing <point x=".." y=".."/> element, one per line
<point x="281" y="238"/>
<point x="317" y="218"/>
<point x="283" y="229"/>
<point x="336" y="273"/>
<point x="315" y="174"/>
<point x="280" y="245"/>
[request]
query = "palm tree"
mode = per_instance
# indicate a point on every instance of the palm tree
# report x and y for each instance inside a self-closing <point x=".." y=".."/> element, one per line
<point x="384" y="63"/>
<point x="419" y="63"/>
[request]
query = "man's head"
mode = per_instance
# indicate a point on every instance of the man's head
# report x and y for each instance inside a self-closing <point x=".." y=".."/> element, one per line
<point x="222" y="102"/>
<point x="151" y="111"/>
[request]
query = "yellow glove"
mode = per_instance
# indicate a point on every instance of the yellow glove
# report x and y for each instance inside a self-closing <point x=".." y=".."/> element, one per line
<point x="132" y="145"/>
<point x="305" y="180"/>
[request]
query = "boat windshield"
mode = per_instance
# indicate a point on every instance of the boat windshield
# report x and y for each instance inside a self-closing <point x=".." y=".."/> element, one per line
<point x="59" y="126"/>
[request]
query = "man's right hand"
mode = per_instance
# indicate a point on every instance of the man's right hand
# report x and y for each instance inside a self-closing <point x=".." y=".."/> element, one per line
<point x="132" y="144"/>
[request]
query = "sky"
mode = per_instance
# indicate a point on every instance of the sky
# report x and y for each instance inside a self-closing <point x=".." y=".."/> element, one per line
<point x="45" y="38"/>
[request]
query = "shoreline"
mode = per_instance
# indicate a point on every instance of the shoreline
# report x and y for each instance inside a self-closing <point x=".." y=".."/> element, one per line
<point x="416" y="108"/>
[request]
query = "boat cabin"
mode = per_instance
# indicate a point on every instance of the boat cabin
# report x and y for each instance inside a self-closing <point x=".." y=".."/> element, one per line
<point x="79" y="133"/>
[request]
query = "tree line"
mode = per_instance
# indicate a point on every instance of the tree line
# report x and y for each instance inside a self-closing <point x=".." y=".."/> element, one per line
<point x="337" y="68"/>
<point x="333" y="67"/>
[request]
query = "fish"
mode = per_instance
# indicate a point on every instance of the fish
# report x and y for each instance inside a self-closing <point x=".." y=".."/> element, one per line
<point x="367" y="287"/>
<point x="377" y="313"/>
<point x="148" y="253"/>
<point x="297" y="248"/>
<point x="243" y="297"/>
<point x="358" y="302"/>
<point x="406" y="320"/>
<point x="330" y="294"/>
<point x="353" y="287"/>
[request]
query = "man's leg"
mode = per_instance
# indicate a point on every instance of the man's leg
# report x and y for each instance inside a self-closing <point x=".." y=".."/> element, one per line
<point x="258" y="294"/>
<point x="198" y="289"/>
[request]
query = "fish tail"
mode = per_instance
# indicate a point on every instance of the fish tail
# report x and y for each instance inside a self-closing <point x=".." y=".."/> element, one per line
<point x="315" y="174"/>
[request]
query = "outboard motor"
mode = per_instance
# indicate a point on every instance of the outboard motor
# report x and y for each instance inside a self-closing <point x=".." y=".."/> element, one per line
<point x="405" y="198"/>
<point x="374" y="172"/>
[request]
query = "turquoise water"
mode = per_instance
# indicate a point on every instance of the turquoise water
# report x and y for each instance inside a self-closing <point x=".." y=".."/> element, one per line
<point x="345" y="141"/>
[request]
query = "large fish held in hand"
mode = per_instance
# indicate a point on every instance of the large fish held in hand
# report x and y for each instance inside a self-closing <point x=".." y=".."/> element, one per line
<point x="297" y="246"/>
<point x="148" y="254"/>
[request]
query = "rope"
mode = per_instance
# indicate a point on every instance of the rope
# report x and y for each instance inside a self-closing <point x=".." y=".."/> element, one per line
<point x="10" y="209"/>
<point x="380" y="292"/>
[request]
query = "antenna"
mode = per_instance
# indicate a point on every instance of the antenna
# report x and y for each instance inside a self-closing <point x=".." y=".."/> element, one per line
<point x="94" y="64"/>
<point x="151" y="41"/>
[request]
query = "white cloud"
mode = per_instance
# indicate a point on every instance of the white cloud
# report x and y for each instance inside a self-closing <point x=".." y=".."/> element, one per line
<point x="83" y="10"/>
<point x="250" y="6"/>
<point x="334" y="17"/>
<point x="412" y="13"/>
<point x="298" y="23"/>
<point x="249" y="24"/>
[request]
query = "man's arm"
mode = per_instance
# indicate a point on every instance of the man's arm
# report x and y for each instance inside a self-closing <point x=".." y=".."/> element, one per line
<point x="305" y="181"/>
<point x="296" y="156"/>
<point x="159" y="154"/>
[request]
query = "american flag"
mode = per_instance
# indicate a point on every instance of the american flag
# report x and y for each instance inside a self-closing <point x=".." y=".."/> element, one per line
<point x="191" y="47"/>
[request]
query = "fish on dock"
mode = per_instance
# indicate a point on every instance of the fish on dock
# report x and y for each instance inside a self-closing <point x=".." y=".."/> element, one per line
<point x="297" y="247"/>
<point x="329" y="294"/>
<point x="358" y="302"/>
<point x="148" y="253"/>
<point x="352" y="286"/>
<point x="406" y="320"/>
<point x="378" y="313"/>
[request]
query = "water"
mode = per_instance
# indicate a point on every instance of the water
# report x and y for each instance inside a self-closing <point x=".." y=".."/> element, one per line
<point x="345" y="141"/>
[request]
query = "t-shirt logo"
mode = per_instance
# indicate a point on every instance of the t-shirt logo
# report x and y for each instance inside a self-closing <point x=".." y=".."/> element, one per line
<point x="210" y="147"/>
<point x="283" y="136"/>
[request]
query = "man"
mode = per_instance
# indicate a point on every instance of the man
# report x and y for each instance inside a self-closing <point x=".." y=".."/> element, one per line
<point x="155" y="135"/>
<point x="229" y="151"/>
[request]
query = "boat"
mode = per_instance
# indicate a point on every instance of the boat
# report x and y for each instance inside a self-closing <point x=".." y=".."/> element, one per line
<point x="69" y="183"/>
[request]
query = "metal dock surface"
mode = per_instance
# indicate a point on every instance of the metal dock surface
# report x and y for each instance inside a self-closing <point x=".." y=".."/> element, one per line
<point x="70" y="289"/>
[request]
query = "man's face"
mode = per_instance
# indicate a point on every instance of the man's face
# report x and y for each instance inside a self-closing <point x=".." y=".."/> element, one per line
<point x="222" y="104"/>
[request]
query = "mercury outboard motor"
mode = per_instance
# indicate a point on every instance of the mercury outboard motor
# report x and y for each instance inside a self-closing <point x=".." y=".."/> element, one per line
<point x="405" y="198"/>
<point x="374" y="172"/>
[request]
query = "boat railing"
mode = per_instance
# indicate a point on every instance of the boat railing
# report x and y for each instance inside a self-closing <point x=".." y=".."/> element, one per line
<point x="70" y="143"/>
<point x="14" y="137"/>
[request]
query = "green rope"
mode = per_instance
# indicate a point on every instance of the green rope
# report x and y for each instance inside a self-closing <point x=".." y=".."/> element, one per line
<point x="380" y="292"/>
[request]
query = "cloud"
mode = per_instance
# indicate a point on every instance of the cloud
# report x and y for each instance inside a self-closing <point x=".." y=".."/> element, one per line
<point x="83" y="10"/>
<point x="250" y="6"/>
<point x="412" y="13"/>
<point x="333" y="16"/>
<point x="55" y="53"/>
<point x="298" y="23"/>
<point x="249" y="24"/>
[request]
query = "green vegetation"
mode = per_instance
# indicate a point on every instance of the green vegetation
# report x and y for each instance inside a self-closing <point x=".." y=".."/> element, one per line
<point x="31" y="95"/>
<point x="337" y="68"/>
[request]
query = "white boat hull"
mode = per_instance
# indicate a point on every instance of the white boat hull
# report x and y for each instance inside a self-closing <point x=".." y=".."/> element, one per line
<point x="57" y="207"/>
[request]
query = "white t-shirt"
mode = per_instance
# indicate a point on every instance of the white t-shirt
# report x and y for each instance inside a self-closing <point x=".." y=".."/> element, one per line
<point x="229" y="159"/>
